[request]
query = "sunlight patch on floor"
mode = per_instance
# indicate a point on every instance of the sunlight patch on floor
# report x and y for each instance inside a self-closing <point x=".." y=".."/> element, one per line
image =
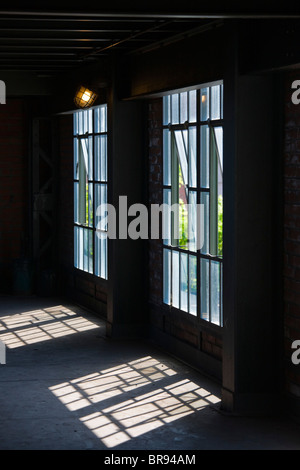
<point x="41" y="325"/>
<point x="135" y="409"/>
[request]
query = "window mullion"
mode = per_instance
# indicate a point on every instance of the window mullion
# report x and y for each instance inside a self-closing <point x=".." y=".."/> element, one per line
<point x="213" y="193"/>
<point x="174" y="192"/>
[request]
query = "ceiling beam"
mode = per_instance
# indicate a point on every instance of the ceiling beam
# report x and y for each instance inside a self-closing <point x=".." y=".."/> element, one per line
<point x="35" y="47"/>
<point x="65" y="30"/>
<point x="188" y="12"/>
<point x="60" y="39"/>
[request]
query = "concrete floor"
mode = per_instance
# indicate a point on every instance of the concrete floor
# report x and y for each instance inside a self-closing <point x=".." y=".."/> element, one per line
<point x="66" y="386"/>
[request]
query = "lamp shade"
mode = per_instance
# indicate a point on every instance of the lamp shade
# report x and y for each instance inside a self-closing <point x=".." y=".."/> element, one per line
<point x="84" y="98"/>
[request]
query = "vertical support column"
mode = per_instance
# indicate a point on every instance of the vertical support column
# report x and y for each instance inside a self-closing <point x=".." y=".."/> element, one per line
<point x="126" y="267"/>
<point x="35" y="178"/>
<point x="251" y="316"/>
<point x="229" y="223"/>
<point x="44" y="194"/>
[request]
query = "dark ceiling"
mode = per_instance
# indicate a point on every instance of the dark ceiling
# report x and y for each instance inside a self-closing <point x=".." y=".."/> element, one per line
<point x="47" y="42"/>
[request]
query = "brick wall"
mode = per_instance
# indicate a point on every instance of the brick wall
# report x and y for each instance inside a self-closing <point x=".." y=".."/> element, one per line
<point x="13" y="188"/>
<point x="291" y="259"/>
<point x="178" y="325"/>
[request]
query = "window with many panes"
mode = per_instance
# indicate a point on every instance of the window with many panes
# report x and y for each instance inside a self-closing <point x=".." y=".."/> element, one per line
<point x="90" y="190"/>
<point x="193" y="184"/>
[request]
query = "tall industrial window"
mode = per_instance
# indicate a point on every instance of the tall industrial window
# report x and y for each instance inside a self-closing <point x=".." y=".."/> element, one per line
<point x="193" y="186"/>
<point x="90" y="190"/>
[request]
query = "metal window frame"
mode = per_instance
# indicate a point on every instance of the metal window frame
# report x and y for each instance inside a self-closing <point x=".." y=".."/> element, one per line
<point x="199" y="190"/>
<point x="91" y="229"/>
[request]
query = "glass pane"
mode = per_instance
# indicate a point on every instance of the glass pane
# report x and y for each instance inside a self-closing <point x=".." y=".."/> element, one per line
<point x="76" y="191"/>
<point x="97" y="254"/>
<point x="90" y="157"/>
<point x="97" y="204"/>
<point x="90" y="205"/>
<point x="167" y="157"/>
<point x="85" y="249"/>
<point x="103" y="189"/>
<point x="84" y="155"/>
<point x="219" y="139"/>
<point x="97" y="119"/>
<point x="82" y="188"/>
<point x="101" y="255"/>
<point x="97" y="159"/>
<point x="193" y="106"/>
<point x="100" y="206"/>
<point x="76" y="247"/>
<point x="175" y="279"/>
<point x="90" y="268"/>
<point x="175" y="108"/>
<point x="183" y="107"/>
<point x="104" y="158"/>
<point x="90" y="121"/>
<point x="204" y="289"/>
<point x="101" y="158"/>
<point x="167" y="217"/>
<point x="213" y="195"/>
<point x="183" y="214"/>
<point x="204" y="156"/>
<point x="75" y="123"/>
<point x="215" y="102"/>
<point x="75" y="152"/>
<point x="193" y="284"/>
<point x="184" y="282"/>
<point x="192" y="225"/>
<point x="192" y="157"/>
<point x="85" y="121"/>
<point x="220" y="225"/>
<point x="103" y="112"/>
<point x="221" y="295"/>
<point x="104" y="256"/>
<point x="80" y="123"/>
<point x="204" y="228"/>
<point x="181" y="138"/>
<point x="166" y="110"/>
<point x="167" y="277"/>
<point x="215" y="292"/>
<point x="80" y="248"/>
<point x="204" y="104"/>
<point x="222" y="94"/>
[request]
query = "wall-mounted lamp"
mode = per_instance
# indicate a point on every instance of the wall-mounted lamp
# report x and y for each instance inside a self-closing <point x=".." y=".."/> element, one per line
<point x="84" y="97"/>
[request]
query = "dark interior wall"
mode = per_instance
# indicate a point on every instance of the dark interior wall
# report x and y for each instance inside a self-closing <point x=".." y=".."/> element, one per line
<point x="66" y="207"/>
<point x="291" y="248"/>
<point x="126" y="312"/>
<point x="257" y="219"/>
<point x="14" y="140"/>
<point x="184" y="63"/>
<point x="252" y="333"/>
